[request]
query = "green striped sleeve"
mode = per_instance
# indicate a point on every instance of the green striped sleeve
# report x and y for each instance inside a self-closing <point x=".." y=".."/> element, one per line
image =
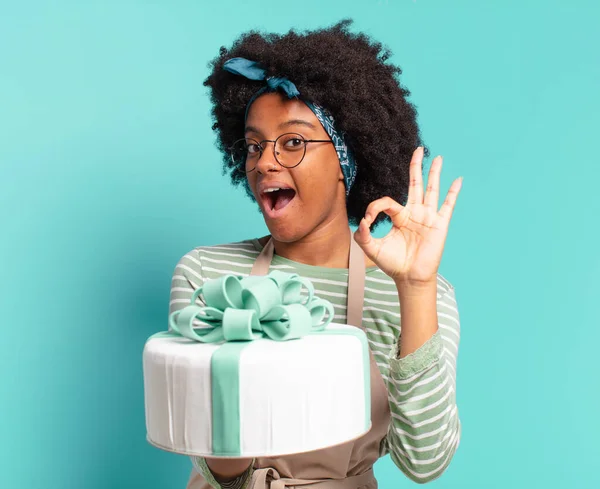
<point x="425" y="428"/>
<point x="240" y="482"/>
<point x="187" y="277"/>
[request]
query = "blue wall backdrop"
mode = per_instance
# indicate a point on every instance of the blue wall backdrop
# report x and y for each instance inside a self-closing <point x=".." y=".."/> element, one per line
<point x="109" y="174"/>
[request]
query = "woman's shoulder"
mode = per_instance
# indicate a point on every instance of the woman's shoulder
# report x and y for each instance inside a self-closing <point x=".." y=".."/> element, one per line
<point x="222" y="258"/>
<point x="250" y="247"/>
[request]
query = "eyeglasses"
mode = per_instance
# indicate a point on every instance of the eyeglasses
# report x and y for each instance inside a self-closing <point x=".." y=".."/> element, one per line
<point x="289" y="150"/>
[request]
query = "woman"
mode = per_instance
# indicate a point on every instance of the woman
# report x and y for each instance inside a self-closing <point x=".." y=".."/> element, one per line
<point x="318" y="130"/>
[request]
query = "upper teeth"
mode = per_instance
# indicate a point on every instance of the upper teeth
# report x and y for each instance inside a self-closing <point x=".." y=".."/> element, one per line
<point x="273" y="189"/>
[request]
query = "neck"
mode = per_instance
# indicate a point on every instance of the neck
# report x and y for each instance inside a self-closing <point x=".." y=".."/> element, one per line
<point x="326" y="246"/>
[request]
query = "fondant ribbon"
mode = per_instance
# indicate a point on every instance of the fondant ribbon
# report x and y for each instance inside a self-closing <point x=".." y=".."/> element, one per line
<point x="239" y="310"/>
<point x="253" y="307"/>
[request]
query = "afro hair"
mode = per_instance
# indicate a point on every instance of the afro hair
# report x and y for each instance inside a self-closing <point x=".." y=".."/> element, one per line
<point x="347" y="74"/>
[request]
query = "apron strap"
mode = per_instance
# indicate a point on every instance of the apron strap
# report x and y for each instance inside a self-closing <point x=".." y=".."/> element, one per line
<point x="356" y="284"/>
<point x="356" y="277"/>
<point x="263" y="261"/>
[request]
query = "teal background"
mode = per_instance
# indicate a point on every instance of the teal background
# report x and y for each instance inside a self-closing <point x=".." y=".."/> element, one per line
<point x="108" y="175"/>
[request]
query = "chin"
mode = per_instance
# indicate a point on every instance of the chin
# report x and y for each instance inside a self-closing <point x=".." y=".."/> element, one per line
<point x="285" y="232"/>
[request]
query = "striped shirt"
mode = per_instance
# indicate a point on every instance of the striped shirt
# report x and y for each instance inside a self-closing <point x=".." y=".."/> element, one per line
<point x="425" y="429"/>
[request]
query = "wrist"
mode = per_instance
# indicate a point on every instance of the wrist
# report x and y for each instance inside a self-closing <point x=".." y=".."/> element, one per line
<point x="419" y="322"/>
<point x="416" y="290"/>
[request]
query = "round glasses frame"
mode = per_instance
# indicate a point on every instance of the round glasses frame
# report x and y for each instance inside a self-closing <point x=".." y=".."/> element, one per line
<point x="232" y="149"/>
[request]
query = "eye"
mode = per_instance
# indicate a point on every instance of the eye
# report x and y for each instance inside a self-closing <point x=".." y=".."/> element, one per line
<point x="252" y="148"/>
<point x="294" y="143"/>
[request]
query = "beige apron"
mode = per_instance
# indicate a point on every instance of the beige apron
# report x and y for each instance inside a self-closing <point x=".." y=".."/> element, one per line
<point x="345" y="466"/>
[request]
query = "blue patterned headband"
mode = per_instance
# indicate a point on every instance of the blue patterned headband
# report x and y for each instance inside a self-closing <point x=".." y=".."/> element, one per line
<point x="254" y="71"/>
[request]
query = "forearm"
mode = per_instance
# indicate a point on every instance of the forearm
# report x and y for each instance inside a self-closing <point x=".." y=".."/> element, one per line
<point x="425" y="428"/>
<point x="419" y="319"/>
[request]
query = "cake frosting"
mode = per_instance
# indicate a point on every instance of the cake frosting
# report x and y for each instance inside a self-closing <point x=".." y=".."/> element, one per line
<point x="267" y="374"/>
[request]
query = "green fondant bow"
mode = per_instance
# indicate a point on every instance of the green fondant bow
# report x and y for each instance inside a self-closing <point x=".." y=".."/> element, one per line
<point x="253" y="307"/>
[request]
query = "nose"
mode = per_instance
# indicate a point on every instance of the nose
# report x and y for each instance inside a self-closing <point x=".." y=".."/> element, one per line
<point x="267" y="161"/>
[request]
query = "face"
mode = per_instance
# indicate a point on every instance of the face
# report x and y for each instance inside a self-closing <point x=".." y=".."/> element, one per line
<point x="315" y="191"/>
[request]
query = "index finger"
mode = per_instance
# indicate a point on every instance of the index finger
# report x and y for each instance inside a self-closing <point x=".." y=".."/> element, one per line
<point x="415" y="186"/>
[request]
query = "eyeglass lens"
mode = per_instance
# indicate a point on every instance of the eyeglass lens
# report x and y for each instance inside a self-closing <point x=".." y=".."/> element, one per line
<point x="289" y="151"/>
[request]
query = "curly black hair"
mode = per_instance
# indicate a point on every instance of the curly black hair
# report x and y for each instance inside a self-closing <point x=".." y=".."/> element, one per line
<point x="348" y="75"/>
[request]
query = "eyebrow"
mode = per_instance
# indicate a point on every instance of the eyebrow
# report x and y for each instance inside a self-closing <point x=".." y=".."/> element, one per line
<point x="291" y="122"/>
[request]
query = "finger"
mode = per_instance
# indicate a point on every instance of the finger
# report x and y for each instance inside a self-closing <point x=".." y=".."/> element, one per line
<point x="450" y="201"/>
<point x="432" y="194"/>
<point x="377" y="206"/>
<point x="390" y="207"/>
<point x="415" y="187"/>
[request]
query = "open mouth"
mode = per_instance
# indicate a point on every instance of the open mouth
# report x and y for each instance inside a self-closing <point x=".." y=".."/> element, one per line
<point x="276" y="199"/>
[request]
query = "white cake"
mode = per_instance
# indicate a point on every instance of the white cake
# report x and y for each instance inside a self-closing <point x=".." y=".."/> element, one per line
<point x="278" y="397"/>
